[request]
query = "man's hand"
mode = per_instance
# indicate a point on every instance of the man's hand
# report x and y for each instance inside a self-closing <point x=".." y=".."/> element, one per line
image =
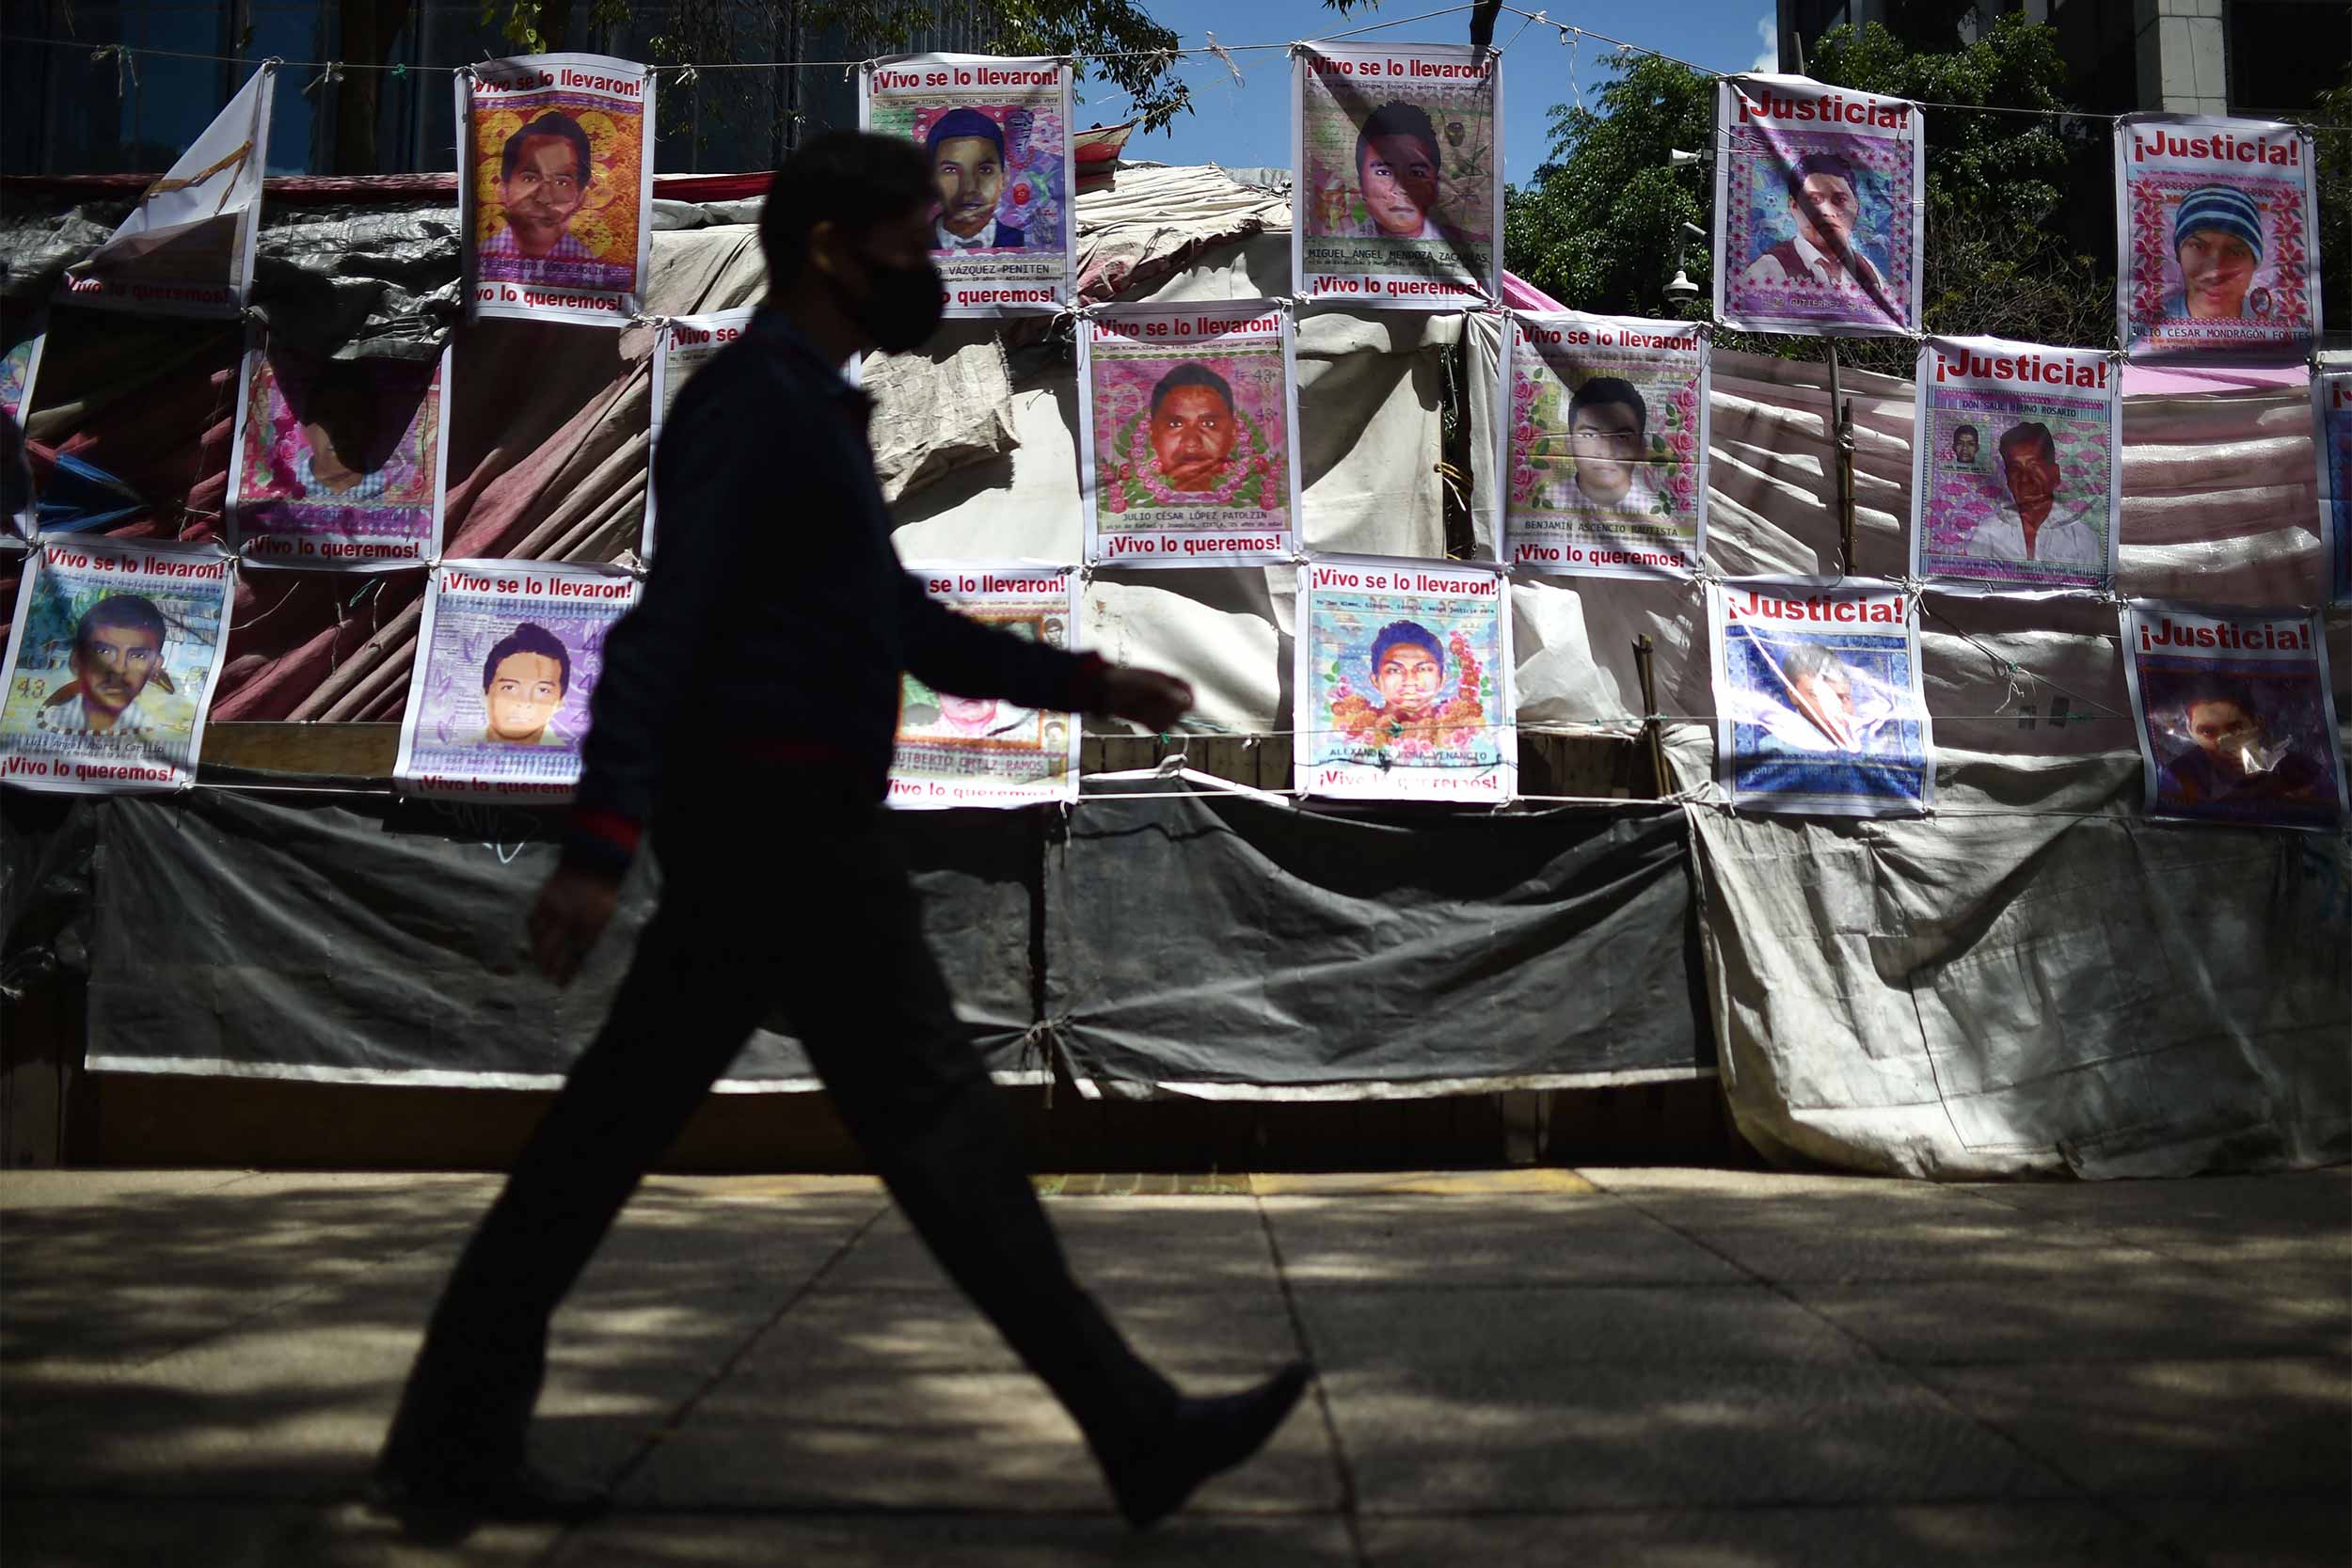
<point x="1144" y="697"/>
<point x="573" y="908"/>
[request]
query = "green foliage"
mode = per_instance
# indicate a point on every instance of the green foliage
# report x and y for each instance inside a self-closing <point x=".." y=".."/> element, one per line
<point x="2333" y="113"/>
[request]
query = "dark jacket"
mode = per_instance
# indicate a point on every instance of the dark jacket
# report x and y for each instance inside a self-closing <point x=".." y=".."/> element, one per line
<point x="776" y="621"/>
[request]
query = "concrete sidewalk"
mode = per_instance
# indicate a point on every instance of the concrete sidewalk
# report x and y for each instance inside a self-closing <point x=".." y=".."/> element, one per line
<point x="1702" y="1369"/>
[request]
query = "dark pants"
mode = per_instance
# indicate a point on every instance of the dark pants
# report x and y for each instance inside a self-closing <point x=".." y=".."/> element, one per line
<point x="819" y="918"/>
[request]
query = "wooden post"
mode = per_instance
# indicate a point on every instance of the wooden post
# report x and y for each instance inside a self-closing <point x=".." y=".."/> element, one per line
<point x="1841" y="442"/>
<point x="1652" y="736"/>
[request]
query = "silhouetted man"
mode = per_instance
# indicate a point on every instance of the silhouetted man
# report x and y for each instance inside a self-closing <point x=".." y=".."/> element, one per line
<point x="765" y="664"/>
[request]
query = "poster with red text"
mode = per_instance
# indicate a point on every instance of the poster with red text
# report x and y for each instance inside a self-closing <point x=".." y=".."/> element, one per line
<point x="112" y="659"/>
<point x="1604" y="440"/>
<point x="508" y="652"/>
<point x="555" y="187"/>
<point x="959" y="751"/>
<point x="1185" y="442"/>
<point x="2217" y="238"/>
<point x="2234" y="718"/>
<point x="1403" y="681"/>
<point x="2331" y="435"/>
<point x="1398" y="199"/>
<point x="339" y="465"/>
<point x="995" y="135"/>
<point x="1817" y="704"/>
<point x="2015" y="480"/>
<point x="1820" y="194"/>
<point x="680" y="349"/>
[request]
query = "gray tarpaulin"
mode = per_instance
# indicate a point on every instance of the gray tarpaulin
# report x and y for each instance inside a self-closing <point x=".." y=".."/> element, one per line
<point x="2023" y="992"/>
<point x="359" y="942"/>
<point x="1223" y="947"/>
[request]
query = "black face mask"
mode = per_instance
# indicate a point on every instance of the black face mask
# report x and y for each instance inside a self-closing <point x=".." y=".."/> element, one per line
<point x="902" y="305"/>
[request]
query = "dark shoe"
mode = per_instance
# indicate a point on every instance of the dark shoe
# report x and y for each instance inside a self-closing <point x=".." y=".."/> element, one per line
<point x="523" y="1493"/>
<point x="1205" y="1436"/>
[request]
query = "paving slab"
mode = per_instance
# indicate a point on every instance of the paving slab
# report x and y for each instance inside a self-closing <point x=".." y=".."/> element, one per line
<point x="930" y="1441"/>
<point x="105" y="1533"/>
<point x="977" y="1541"/>
<point x="2172" y="1312"/>
<point x="1418" y="1243"/>
<point x="2188" y="1427"/>
<point x="1561" y="1437"/>
<point x="2293" y="1228"/>
<point x="1188" y="1331"/>
<point x="1503" y="1334"/>
<point x="2254" y="1529"/>
<point x="1946" y="1535"/>
<point x="1155" y="1244"/>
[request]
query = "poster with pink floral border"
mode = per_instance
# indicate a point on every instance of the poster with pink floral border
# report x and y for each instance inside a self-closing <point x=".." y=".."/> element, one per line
<point x="1819" y="193"/>
<point x="1184" y="443"/>
<point x="996" y="134"/>
<point x="2217" y="238"/>
<point x="2014" y="478"/>
<point x="1402" y="681"/>
<point x="340" y="464"/>
<point x="1604" y="439"/>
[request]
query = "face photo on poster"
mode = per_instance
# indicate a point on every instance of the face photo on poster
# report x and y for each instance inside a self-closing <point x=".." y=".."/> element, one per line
<point x="1605" y="461"/>
<point x="2331" y="437"/>
<point x="1399" y="200"/>
<point x="187" y="248"/>
<point x="1817" y="698"/>
<point x="958" y="750"/>
<point x="1185" y="445"/>
<point x="1402" y="681"/>
<point x="995" y="135"/>
<point x="19" y="363"/>
<point x="2235" y="721"/>
<point x="2218" y="229"/>
<point x="2013" y="474"/>
<point x="508" y="656"/>
<point x="1818" y="195"/>
<point x="339" y="464"/>
<point x="556" y="186"/>
<point x="112" y="659"/>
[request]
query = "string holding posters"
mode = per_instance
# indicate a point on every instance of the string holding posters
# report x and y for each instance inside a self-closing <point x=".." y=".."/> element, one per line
<point x="2234" y="713"/>
<point x="112" y="659"/>
<point x="1398" y="199"/>
<point x="1818" y="702"/>
<point x="555" y="187"/>
<point x="187" y="248"/>
<point x="339" y="464"/>
<point x="2331" y="438"/>
<point x="682" y="346"/>
<point x="19" y="362"/>
<point x="958" y="751"/>
<point x="995" y="134"/>
<point x="508" y="652"/>
<point x="2015" y="477"/>
<point x="1402" y="681"/>
<point x="2217" y="236"/>
<point x="1818" y="197"/>
<point x="1605" y="445"/>
<point x="1185" y="439"/>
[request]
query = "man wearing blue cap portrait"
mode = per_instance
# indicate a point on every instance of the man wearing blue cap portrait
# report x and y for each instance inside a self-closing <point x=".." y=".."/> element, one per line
<point x="966" y="149"/>
<point x="2218" y="240"/>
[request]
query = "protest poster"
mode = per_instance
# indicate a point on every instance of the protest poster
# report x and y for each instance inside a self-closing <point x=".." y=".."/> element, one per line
<point x="187" y="248"/>
<point x="1604" y="439"/>
<point x="112" y="659"/>
<point x="508" y="652"/>
<point x="2234" y="713"/>
<point x="18" y="364"/>
<point x="2331" y="438"/>
<point x="679" y="349"/>
<point x="1818" y="195"/>
<point x="996" y="134"/>
<point x="555" y="187"/>
<point x="2014" y="478"/>
<point x="339" y="464"/>
<point x="956" y="750"/>
<point x="1401" y="684"/>
<point x="1398" y="199"/>
<point x="1184" y="434"/>
<point x="1817" y="703"/>
<point x="2217" y="237"/>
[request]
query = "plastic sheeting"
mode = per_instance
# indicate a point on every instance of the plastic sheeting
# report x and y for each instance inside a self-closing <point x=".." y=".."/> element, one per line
<point x="357" y="941"/>
<point x="2027" y="993"/>
<point x="1221" y="946"/>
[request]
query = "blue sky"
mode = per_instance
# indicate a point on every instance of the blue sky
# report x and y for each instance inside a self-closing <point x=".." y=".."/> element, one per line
<point x="1246" y="122"/>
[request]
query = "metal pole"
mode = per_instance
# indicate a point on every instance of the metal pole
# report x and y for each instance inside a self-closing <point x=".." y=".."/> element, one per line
<point x="1652" y="735"/>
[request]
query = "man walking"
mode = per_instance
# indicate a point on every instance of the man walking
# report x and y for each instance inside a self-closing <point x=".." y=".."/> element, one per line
<point x="763" y="665"/>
